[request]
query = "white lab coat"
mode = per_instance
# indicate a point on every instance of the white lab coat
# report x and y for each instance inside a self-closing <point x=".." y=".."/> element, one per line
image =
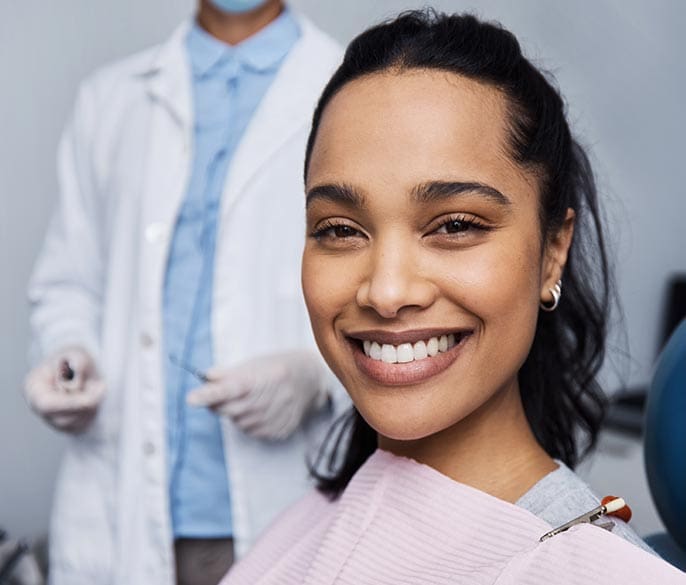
<point x="123" y="166"/>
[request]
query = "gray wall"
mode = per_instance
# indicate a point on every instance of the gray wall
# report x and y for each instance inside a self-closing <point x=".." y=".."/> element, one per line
<point x="618" y="63"/>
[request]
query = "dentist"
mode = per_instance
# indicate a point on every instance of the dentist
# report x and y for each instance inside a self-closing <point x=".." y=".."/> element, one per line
<point x="172" y="341"/>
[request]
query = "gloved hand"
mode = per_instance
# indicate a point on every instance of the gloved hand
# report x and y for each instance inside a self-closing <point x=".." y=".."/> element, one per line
<point x="267" y="397"/>
<point x="18" y="564"/>
<point x="66" y="389"/>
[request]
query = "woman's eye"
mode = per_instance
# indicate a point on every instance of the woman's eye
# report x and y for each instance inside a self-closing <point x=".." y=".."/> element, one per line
<point x="454" y="226"/>
<point x="343" y="231"/>
<point x="335" y="232"/>
<point x="459" y="225"/>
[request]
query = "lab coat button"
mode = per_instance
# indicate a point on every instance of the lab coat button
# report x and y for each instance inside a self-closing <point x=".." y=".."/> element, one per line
<point x="146" y="340"/>
<point x="155" y="232"/>
<point x="148" y="448"/>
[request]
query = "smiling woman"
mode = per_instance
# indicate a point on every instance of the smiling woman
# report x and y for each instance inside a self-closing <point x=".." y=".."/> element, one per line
<point x="446" y="203"/>
<point x="442" y="202"/>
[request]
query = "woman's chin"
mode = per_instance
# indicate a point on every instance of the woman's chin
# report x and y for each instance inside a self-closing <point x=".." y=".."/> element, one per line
<point x="400" y="427"/>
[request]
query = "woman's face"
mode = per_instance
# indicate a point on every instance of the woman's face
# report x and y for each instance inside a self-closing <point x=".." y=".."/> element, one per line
<point x="423" y="268"/>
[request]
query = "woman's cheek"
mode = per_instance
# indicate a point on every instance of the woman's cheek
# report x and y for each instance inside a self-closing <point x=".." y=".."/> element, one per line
<point x="492" y="279"/>
<point x="323" y="289"/>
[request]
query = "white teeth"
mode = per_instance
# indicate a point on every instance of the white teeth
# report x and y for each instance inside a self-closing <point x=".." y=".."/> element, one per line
<point x="407" y="352"/>
<point x="420" y="350"/>
<point x="375" y="351"/>
<point x="443" y="343"/>
<point x="389" y="354"/>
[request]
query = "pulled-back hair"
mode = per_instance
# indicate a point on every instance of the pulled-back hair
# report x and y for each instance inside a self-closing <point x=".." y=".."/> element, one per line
<point x="562" y="399"/>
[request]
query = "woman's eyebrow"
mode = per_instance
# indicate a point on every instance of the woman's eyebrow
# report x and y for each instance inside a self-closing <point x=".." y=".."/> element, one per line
<point x="337" y="193"/>
<point x="433" y="190"/>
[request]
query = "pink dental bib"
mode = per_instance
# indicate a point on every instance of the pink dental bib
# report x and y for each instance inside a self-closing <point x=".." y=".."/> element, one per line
<point x="402" y="523"/>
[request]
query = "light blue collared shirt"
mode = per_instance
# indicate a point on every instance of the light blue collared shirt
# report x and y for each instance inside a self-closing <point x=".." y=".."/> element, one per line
<point x="228" y="85"/>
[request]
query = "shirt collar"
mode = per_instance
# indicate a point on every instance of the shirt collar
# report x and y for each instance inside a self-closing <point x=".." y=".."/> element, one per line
<point x="262" y="51"/>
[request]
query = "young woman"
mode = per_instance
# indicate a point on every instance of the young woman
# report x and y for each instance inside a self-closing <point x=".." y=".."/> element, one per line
<point x="448" y="207"/>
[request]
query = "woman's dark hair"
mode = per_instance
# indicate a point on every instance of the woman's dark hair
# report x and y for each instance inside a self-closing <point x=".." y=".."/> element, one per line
<point x="562" y="399"/>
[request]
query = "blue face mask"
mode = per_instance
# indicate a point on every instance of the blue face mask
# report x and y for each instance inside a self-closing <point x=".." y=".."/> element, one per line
<point x="237" y="6"/>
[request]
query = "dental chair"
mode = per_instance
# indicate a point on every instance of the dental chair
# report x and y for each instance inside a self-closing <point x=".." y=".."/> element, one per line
<point x="665" y="447"/>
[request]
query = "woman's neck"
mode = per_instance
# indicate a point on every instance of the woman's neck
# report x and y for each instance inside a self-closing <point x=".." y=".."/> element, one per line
<point x="492" y="450"/>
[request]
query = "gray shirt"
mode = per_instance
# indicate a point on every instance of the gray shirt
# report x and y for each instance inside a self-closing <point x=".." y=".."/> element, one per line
<point x="562" y="495"/>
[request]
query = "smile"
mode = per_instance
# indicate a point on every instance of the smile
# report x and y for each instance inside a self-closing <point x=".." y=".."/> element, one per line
<point x="409" y="352"/>
<point x="408" y="357"/>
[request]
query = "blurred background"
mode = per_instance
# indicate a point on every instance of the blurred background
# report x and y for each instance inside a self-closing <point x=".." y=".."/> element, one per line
<point x="619" y="64"/>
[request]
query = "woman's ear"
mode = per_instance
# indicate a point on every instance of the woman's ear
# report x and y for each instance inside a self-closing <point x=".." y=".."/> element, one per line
<point x="555" y="256"/>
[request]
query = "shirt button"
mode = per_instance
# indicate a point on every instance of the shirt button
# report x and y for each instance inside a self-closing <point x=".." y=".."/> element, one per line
<point x="147" y="340"/>
<point x="148" y="448"/>
<point x="155" y="232"/>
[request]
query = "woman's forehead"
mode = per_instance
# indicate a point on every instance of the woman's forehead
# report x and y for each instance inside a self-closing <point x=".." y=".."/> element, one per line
<point x="400" y="126"/>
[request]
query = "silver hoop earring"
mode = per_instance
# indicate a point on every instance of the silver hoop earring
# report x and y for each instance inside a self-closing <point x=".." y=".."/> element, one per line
<point x="556" y="291"/>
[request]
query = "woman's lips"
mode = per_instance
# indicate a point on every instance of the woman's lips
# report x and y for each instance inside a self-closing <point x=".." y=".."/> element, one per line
<point x="405" y="374"/>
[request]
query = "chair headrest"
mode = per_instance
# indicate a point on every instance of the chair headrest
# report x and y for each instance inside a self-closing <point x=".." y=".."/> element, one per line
<point x="665" y="435"/>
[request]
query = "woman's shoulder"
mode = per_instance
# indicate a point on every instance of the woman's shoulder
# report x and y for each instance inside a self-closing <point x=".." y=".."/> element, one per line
<point x="296" y="522"/>
<point x="292" y="530"/>
<point x="562" y="495"/>
<point x="586" y="554"/>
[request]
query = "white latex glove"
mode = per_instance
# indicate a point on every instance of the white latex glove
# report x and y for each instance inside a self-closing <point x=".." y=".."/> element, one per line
<point x="66" y="389"/>
<point x="25" y="571"/>
<point x="267" y="397"/>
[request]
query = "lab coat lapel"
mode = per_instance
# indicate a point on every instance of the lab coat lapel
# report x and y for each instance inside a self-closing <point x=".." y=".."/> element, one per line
<point x="168" y="77"/>
<point x="168" y="84"/>
<point x="285" y="109"/>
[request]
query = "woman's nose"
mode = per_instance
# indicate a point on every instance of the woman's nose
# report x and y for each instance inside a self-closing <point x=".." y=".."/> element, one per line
<point x="393" y="282"/>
